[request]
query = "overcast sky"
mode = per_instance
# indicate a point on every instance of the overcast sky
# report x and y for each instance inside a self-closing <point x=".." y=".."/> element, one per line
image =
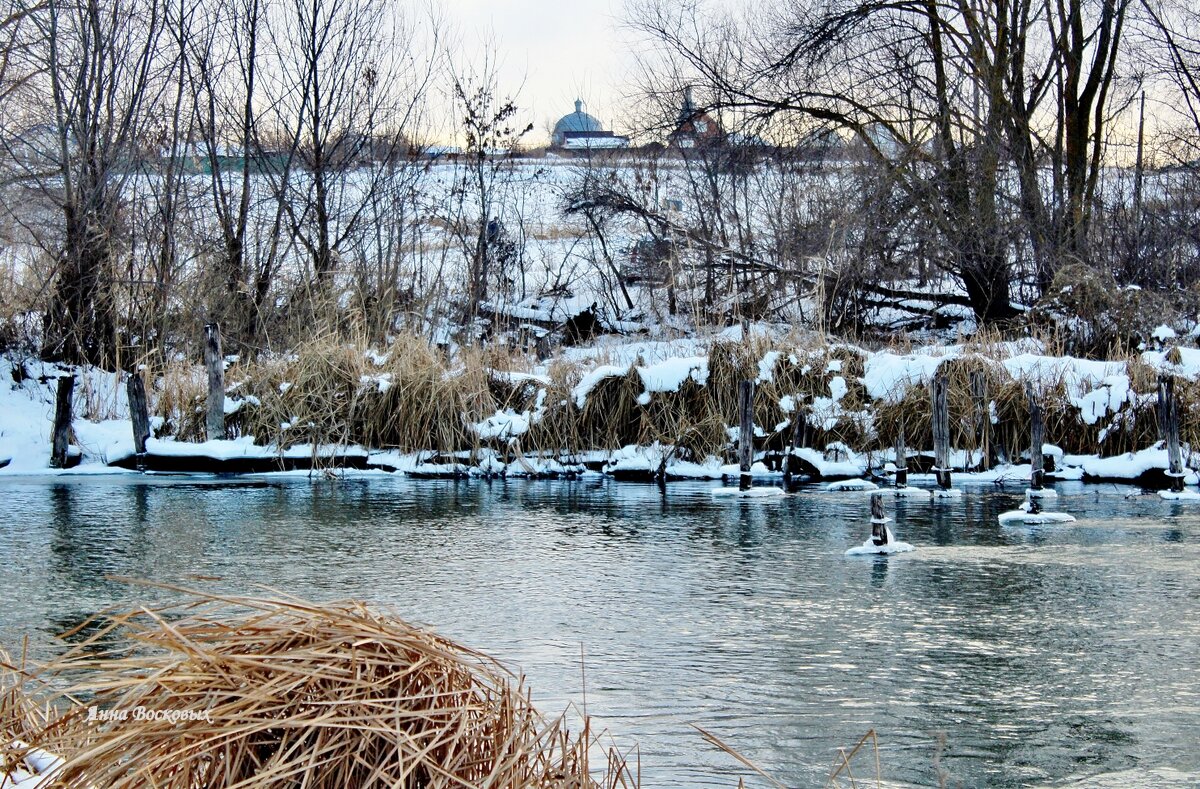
<point x="553" y="51"/>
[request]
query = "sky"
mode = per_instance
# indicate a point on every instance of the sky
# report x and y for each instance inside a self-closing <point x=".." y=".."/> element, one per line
<point x="553" y="51"/>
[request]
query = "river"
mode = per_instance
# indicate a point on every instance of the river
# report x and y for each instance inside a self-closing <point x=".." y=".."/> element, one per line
<point x="1036" y="656"/>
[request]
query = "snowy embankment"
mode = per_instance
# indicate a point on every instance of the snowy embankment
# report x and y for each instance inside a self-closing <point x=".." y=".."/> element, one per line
<point x="845" y="398"/>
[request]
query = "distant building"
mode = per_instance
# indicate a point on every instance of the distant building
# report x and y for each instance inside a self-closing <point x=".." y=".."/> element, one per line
<point x="580" y="131"/>
<point x="694" y="127"/>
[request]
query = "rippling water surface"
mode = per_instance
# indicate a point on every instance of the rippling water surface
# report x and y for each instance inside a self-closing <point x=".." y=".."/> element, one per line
<point x="1060" y="655"/>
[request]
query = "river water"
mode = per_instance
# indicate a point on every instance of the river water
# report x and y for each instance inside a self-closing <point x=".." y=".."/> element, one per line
<point x="1057" y="655"/>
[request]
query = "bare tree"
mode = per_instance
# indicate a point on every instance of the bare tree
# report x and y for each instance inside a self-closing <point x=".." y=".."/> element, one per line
<point x="100" y="62"/>
<point x="946" y="96"/>
<point x="489" y="128"/>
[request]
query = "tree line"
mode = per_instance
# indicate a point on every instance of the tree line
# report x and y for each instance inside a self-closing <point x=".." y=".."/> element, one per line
<point x="1011" y="140"/>
<point x="167" y="163"/>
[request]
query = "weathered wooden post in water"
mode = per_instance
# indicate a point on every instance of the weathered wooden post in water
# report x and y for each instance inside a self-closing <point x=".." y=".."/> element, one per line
<point x="139" y="415"/>
<point x="941" y="431"/>
<point x="1037" y="433"/>
<point x="901" y="458"/>
<point x="799" y="438"/>
<point x="745" y="431"/>
<point x="983" y="417"/>
<point x="879" y="531"/>
<point x="63" y="412"/>
<point x="881" y="541"/>
<point x="214" y="361"/>
<point x="1169" y="419"/>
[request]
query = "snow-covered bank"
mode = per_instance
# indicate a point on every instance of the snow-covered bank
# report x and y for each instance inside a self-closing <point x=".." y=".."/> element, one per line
<point x="649" y="410"/>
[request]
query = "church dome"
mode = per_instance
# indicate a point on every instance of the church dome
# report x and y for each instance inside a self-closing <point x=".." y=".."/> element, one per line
<point x="577" y="121"/>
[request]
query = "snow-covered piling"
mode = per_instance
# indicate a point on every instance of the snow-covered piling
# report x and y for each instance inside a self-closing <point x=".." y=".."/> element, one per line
<point x="881" y="541"/>
<point x="879" y="519"/>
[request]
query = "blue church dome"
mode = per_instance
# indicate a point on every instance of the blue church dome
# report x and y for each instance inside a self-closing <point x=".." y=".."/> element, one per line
<point x="577" y="121"/>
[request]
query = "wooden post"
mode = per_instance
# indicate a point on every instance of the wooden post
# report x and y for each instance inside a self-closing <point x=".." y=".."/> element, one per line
<point x="745" y="430"/>
<point x="941" y="431"/>
<point x="1160" y="412"/>
<point x="1037" y="433"/>
<point x="139" y="414"/>
<point x="1170" y="418"/>
<point x="63" y="413"/>
<point x="799" y="437"/>
<point x="983" y="418"/>
<point x="878" y="520"/>
<point x="214" y="361"/>
<point x="901" y="457"/>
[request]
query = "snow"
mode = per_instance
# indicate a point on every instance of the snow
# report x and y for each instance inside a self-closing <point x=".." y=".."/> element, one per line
<point x="749" y="493"/>
<point x="851" y="484"/>
<point x="911" y="493"/>
<point x="1181" y="495"/>
<point x="1023" y="515"/>
<point x="588" y="383"/>
<point x="943" y="493"/>
<point x="887" y="375"/>
<point x="503" y="424"/>
<point x="670" y="375"/>
<point x="853" y="466"/>
<point x="1044" y="493"/>
<point x="766" y="367"/>
<point x="381" y="382"/>
<point x="665" y="376"/>
<point x="869" y="548"/>
<point x="1130" y="465"/>
<point x="1189" y="361"/>
<point x="1162" y="333"/>
<point x="37" y="768"/>
<point x="1107" y="398"/>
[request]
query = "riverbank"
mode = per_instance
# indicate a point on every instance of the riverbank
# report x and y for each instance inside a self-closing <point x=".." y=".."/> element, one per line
<point x="632" y="410"/>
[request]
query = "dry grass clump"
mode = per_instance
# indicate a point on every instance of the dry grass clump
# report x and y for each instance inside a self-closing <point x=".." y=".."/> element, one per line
<point x="179" y="392"/>
<point x="307" y="397"/>
<point x="913" y="411"/>
<point x="330" y="391"/>
<point x="20" y="716"/>
<point x="558" y="429"/>
<point x="255" y="692"/>
<point x="687" y="420"/>
<point x="1095" y="317"/>
<point x="611" y="416"/>
<point x="426" y="403"/>
<point x="807" y="373"/>
<point x="730" y="363"/>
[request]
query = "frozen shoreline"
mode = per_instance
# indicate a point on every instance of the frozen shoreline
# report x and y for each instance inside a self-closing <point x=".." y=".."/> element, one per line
<point x="1101" y="393"/>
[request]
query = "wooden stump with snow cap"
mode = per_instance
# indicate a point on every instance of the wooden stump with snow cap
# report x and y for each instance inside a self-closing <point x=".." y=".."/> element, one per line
<point x="881" y="540"/>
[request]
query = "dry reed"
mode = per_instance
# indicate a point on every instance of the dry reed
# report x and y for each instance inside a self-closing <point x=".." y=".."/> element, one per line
<point x="416" y="398"/>
<point x="283" y="692"/>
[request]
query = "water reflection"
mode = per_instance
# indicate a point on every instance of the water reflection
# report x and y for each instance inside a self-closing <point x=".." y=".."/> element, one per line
<point x="1043" y="653"/>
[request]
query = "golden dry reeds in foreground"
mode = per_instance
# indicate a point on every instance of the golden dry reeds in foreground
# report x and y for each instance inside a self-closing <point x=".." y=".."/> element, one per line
<point x="254" y="692"/>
